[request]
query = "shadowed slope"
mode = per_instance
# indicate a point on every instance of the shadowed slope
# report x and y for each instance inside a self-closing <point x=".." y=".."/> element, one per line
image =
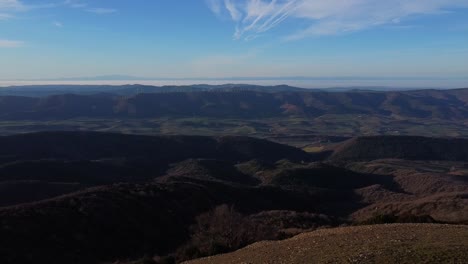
<point x="92" y="146"/>
<point x="402" y="147"/>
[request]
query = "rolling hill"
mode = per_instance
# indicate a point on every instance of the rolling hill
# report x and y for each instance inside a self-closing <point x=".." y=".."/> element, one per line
<point x="401" y="147"/>
<point x="363" y="244"/>
<point x="248" y="104"/>
<point x="85" y="197"/>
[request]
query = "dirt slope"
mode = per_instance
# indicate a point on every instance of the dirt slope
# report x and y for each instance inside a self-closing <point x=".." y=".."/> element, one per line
<point x="400" y="243"/>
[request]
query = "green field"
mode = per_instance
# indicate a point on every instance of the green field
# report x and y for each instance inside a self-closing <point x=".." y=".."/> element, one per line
<point x="299" y="132"/>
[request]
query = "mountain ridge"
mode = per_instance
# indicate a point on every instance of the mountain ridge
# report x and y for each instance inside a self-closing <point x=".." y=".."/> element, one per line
<point x="434" y="104"/>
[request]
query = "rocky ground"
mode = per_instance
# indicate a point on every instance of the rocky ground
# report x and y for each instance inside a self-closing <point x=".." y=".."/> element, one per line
<point x="398" y="243"/>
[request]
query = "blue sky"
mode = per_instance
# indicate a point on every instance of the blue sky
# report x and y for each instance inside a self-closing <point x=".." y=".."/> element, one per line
<point x="42" y="39"/>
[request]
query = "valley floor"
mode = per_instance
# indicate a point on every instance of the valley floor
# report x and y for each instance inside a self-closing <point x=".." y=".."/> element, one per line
<point x="295" y="131"/>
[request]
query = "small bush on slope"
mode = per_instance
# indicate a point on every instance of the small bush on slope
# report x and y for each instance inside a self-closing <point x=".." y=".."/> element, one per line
<point x="222" y="230"/>
<point x="392" y="219"/>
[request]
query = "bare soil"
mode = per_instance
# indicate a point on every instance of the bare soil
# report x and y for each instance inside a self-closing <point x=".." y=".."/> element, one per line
<point x="397" y="243"/>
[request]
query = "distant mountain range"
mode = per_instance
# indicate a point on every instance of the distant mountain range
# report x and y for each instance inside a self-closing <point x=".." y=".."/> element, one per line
<point x="226" y="101"/>
<point x="133" y="89"/>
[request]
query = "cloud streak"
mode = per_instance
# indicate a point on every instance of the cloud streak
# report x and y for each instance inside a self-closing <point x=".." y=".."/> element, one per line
<point x="7" y="7"/>
<point x="82" y="5"/>
<point x="4" y="16"/>
<point x="4" y="43"/>
<point x="17" y="6"/>
<point x="231" y="7"/>
<point x="75" y="4"/>
<point x="215" y="6"/>
<point x="255" y="17"/>
<point x="10" y="4"/>
<point x="101" y="11"/>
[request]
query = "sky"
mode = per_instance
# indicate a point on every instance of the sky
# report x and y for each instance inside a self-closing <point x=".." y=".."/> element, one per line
<point x="368" y="39"/>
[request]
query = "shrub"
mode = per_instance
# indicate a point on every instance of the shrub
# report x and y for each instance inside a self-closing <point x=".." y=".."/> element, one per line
<point x="222" y="230"/>
<point x="404" y="218"/>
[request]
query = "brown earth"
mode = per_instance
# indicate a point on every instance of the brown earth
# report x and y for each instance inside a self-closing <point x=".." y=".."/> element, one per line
<point x="434" y="188"/>
<point x="398" y="243"/>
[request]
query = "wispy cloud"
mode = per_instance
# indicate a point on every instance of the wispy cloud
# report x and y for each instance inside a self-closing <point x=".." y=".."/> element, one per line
<point x="215" y="6"/>
<point x="4" y="16"/>
<point x="101" y="11"/>
<point x="231" y="7"/>
<point x="10" y="4"/>
<point x="58" y="24"/>
<point x="75" y="4"/>
<point x="85" y="6"/>
<point x="4" y="43"/>
<point x="254" y="17"/>
<point x="17" y="5"/>
<point x="7" y="7"/>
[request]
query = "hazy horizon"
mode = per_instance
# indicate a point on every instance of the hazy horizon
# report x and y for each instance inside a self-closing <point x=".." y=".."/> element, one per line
<point x="302" y="83"/>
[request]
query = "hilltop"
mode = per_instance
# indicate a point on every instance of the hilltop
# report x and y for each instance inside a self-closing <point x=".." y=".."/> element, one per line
<point x="362" y="244"/>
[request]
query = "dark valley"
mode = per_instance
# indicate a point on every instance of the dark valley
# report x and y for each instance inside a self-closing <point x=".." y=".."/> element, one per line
<point x="89" y="197"/>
